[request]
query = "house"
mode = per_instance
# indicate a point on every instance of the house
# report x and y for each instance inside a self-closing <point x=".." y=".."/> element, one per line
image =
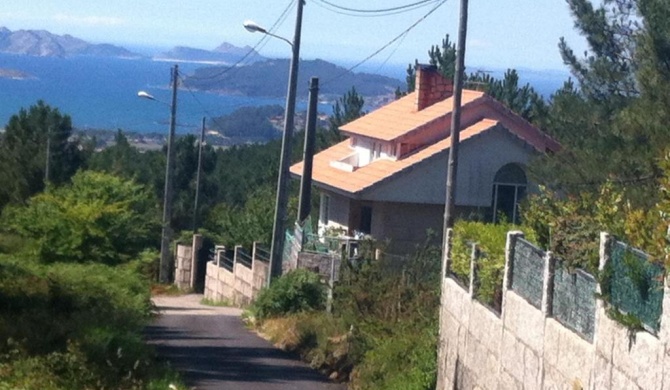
<point x="388" y="179"/>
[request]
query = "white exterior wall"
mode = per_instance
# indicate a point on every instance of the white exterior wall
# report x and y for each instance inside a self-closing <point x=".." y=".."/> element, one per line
<point x="364" y="146"/>
<point x="480" y="158"/>
<point x="338" y="212"/>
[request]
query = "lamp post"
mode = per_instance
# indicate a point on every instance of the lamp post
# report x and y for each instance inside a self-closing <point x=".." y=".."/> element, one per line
<point x="280" y="217"/>
<point x="166" y="232"/>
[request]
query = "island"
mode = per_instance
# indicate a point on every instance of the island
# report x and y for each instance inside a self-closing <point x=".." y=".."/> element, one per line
<point x="14" y="74"/>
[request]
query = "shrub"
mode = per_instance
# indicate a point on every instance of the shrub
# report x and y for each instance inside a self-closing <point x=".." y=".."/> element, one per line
<point x="296" y="291"/>
<point x="99" y="217"/>
<point x="404" y="360"/>
<point x="491" y="240"/>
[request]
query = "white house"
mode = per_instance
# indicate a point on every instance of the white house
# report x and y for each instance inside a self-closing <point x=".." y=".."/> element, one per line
<point x="388" y="179"/>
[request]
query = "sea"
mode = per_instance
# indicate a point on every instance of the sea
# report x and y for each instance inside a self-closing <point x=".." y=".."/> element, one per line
<point x="101" y="93"/>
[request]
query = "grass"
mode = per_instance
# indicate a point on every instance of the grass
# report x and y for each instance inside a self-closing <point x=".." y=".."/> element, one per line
<point x="168" y="290"/>
<point x="221" y="303"/>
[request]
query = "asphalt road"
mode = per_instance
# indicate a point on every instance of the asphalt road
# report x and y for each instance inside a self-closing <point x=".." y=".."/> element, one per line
<point x="212" y="349"/>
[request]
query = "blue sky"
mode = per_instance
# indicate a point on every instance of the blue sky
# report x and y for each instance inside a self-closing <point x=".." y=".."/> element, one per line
<point x="520" y="34"/>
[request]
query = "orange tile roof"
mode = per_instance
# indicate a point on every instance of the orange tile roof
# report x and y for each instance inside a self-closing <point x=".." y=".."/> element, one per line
<point x="379" y="170"/>
<point x="400" y="117"/>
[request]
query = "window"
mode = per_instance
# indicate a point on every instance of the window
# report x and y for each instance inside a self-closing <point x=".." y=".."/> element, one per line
<point x="509" y="188"/>
<point x="324" y="209"/>
<point x="366" y="220"/>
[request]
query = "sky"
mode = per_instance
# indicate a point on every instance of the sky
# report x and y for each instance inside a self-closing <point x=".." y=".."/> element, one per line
<point x="521" y="34"/>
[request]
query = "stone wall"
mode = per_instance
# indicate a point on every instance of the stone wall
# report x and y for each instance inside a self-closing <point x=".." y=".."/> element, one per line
<point x="241" y="283"/>
<point x="523" y="347"/>
<point x="186" y="264"/>
<point x="183" y="266"/>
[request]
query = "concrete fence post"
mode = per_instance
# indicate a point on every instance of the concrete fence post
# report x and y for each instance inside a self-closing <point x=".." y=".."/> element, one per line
<point x="548" y="284"/>
<point x="606" y="242"/>
<point x="446" y="256"/>
<point x="253" y="256"/>
<point x="474" y="254"/>
<point x="512" y="237"/>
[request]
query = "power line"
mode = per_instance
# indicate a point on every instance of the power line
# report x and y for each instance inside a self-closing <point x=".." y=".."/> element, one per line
<point x="372" y="12"/>
<point x="261" y="42"/>
<point x="399" y="36"/>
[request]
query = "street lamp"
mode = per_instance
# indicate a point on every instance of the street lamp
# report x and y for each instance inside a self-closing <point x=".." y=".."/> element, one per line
<point x="280" y="218"/>
<point x="166" y="232"/>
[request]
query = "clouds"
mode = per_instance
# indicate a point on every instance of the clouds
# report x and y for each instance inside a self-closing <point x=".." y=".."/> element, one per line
<point x="88" y="20"/>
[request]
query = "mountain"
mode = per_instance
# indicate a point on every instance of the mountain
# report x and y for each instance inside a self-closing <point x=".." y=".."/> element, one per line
<point x="42" y="43"/>
<point x="224" y="54"/>
<point x="270" y="79"/>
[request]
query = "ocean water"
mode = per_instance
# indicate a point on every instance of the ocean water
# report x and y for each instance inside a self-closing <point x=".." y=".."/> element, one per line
<point x="101" y="93"/>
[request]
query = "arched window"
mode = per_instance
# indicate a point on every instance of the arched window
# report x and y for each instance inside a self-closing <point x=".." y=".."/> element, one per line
<point x="509" y="188"/>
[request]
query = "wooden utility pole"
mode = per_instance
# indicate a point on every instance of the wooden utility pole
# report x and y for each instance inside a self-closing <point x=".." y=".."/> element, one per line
<point x="452" y="167"/>
<point x="305" y="202"/>
<point x="197" y="178"/>
<point x="166" y="235"/>
<point x="280" y="218"/>
<point x="47" y="168"/>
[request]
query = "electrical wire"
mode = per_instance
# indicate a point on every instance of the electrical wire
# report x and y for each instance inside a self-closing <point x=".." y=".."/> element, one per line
<point x="261" y="42"/>
<point x="399" y="36"/>
<point x="372" y="12"/>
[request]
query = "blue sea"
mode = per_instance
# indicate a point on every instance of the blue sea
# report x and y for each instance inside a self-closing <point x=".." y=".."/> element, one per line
<point x="101" y="93"/>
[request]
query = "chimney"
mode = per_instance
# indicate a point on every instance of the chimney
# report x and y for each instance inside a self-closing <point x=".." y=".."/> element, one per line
<point x="430" y="86"/>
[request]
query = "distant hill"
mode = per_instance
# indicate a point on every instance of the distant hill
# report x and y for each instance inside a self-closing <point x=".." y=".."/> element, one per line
<point x="224" y="54"/>
<point x="42" y="43"/>
<point x="270" y="79"/>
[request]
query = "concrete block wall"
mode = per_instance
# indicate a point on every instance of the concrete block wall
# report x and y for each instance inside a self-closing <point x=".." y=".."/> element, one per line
<point x="240" y="286"/>
<point x="524" y="348"/>
<point x="183" y="266"/>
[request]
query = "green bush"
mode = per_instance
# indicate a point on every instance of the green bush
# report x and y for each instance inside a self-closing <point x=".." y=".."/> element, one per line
<point x="70" y="326"/>
<point x="491" y="240"/>
<point x="403" y="360"/>
<point x="98" y="217"/>
<point x="297" y="291"/>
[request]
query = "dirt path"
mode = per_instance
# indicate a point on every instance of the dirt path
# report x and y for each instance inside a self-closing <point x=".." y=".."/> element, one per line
<point x="213" y="350"/>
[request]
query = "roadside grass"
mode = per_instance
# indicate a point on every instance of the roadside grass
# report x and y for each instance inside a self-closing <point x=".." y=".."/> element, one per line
<point x="168" y="290"/>
<point x="75" y="326"/>
<point x="215" y="303"/>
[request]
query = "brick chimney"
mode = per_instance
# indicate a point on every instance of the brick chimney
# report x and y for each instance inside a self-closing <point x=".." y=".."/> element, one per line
<point x="431" y="87"/>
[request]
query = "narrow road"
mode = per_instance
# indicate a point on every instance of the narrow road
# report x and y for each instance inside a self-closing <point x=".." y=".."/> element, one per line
<point x="212" y="349"/>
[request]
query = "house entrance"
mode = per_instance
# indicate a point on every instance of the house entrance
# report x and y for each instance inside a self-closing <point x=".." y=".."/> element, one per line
<point x="366" y="220"/>
<point x="509" y="188"/>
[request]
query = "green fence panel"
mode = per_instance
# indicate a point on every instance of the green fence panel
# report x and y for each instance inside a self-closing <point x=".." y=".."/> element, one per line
<point x="634" y="285"/>
<point x="528" y="272"/>
<point x="574" y="300"/>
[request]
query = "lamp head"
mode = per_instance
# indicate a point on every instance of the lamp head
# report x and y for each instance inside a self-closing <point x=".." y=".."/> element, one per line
<point x="145" y="95"/>
<point x="251" y="26"/>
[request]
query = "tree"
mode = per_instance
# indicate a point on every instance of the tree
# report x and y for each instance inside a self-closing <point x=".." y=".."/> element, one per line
<point x="614" y="126"/>
<point x="523" y="100"/>
<point x="98" y="217"/>
<point x="346" y="109"/>
<point x="606" y="73"/>
<point x="23" y="152"/>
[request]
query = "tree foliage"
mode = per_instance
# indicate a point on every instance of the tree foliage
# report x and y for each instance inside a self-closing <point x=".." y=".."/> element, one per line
<point x="97" y="218"/>
<point x="23" y="152"/>
<point x="346" y="109"/>
<point x="523" y="100"/>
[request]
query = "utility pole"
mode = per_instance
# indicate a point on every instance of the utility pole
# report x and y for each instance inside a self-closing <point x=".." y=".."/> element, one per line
<point x="455" y="121"/>
<point x="47" y="167"/>
<point x="305" y="202"/>
<point x="197" y="178"/>
<point x="166" y="235"/>
<point x="279" y="226"/>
